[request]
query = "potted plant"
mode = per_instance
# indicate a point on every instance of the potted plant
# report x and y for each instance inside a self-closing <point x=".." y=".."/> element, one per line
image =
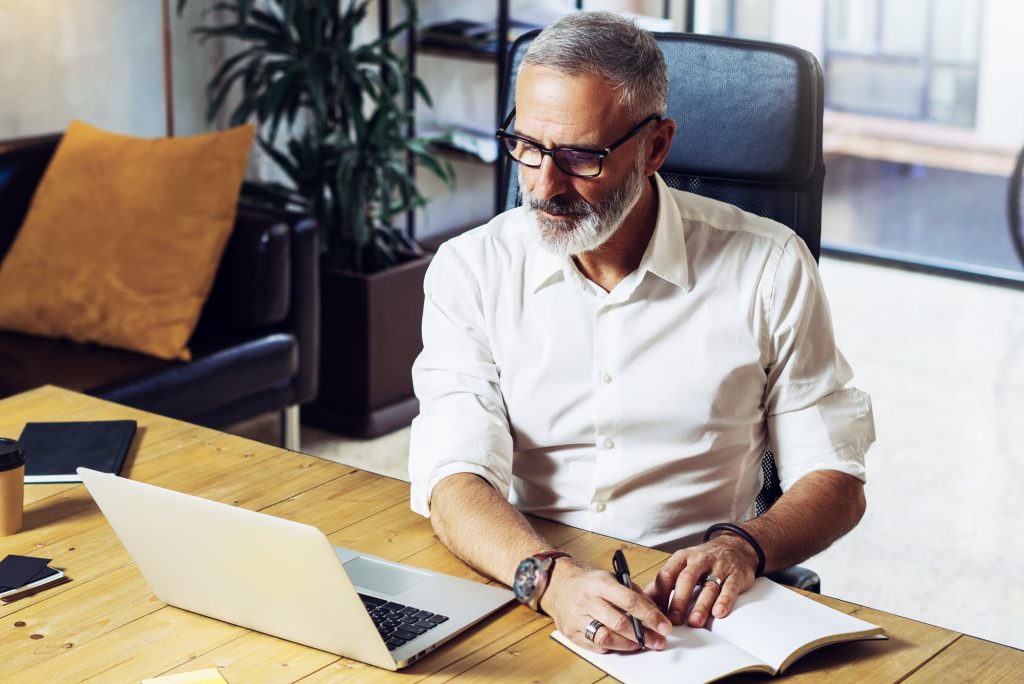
<point x="333" y="117"/>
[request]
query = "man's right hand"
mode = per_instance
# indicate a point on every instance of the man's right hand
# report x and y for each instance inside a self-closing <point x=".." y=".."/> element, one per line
<point x="577" y="595"/>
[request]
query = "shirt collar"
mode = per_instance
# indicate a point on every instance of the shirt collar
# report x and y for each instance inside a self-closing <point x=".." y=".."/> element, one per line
<point x="543" y="267"/>
<point x="665" y="256"/>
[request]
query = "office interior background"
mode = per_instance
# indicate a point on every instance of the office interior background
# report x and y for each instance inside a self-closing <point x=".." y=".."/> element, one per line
<point x="924" y="119"/>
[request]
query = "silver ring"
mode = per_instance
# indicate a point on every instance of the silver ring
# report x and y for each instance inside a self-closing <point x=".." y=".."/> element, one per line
<point x="592" y="630"/>
<point x="716" y="580"/>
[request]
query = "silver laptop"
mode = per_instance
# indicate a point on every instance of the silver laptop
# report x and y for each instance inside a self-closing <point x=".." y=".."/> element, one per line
<point x="284" y="578"/>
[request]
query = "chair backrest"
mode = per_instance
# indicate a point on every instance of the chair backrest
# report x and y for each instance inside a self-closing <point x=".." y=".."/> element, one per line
<point x="749" y="126"/>
<point x="749" y="118"/>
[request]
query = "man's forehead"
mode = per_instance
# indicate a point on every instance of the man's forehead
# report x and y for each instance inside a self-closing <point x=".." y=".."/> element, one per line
<point x="579" y="106"/>
<point x="543" y="82"/>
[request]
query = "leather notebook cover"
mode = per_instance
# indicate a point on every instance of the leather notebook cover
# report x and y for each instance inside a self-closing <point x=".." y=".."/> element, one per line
<point x="54" y="450"/>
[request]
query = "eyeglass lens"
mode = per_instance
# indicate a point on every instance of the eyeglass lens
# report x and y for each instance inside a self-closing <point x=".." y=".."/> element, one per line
<point x="575" y="162"/>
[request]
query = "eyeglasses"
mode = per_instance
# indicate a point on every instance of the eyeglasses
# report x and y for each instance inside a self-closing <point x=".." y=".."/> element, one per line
<point x="581" y="162"/>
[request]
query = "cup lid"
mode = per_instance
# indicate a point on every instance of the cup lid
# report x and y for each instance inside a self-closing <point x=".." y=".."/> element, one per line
<point x="11" y="454"/>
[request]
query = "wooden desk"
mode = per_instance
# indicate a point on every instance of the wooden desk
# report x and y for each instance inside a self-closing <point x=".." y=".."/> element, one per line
<point x="107" y="626"/>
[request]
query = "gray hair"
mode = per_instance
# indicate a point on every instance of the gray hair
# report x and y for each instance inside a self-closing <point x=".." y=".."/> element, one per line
<point x="612" y="47"/>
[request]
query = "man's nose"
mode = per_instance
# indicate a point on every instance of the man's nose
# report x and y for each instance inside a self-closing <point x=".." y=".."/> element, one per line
<point x="549" y="180"/>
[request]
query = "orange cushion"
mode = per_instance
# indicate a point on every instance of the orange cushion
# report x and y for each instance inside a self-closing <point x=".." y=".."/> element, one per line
<point x="123" y="238"/>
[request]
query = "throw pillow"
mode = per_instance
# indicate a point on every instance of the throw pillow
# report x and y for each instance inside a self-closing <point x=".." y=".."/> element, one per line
<point x="123" y="238"/>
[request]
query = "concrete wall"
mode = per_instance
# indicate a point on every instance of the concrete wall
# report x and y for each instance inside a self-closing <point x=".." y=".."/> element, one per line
<point x="99" y="61"/>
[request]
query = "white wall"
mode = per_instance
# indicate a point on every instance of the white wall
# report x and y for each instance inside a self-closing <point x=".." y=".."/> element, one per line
<point x="99" y="61"/>
<point x="1000" y="116"/>
<point x="800" y="23"/>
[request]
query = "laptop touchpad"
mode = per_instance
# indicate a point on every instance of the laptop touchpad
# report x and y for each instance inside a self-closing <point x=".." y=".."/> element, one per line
<point x="384" y="578"/>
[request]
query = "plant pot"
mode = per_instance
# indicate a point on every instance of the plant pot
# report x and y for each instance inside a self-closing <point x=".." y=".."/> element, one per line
<point x="369" y="337"/>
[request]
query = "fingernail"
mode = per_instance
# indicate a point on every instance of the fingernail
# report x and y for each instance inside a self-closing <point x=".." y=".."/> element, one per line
<point x="718" y="611"/>
<point x="665" y="628"/>
<point x="696" y="619"/>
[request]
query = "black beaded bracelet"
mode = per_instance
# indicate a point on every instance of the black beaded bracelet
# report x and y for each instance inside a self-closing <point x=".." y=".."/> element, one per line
<point x="745" y="536"/>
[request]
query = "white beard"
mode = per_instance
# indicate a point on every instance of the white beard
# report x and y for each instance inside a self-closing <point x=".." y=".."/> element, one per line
<point x="583" y="227"/>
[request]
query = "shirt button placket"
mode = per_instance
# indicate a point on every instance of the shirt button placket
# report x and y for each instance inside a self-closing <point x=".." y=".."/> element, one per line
<point x="605" y="416"/>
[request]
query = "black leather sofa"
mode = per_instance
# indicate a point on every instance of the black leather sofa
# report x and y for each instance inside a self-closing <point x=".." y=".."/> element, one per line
<point x="255" y="350"/>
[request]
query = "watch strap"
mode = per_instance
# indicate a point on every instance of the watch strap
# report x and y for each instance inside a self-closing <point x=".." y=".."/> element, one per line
<point x="550" y="555"/>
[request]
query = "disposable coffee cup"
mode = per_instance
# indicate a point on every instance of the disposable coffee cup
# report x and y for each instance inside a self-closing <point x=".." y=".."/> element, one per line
<point x="12" y="486"/>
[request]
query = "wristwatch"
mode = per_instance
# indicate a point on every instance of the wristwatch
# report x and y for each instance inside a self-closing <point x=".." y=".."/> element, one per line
<point x="532" y="577"/>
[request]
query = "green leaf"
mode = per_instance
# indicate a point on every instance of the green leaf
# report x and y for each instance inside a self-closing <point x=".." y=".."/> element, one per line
<point x="232" y="61"/>
<point x="270" y="106"/>
<point x="421" y="90"/>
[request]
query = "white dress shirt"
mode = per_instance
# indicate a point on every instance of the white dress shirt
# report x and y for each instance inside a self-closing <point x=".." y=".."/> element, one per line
<point x="642" y="413"/>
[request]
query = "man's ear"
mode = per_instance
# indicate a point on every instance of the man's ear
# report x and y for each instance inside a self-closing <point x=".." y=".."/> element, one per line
<point x="658" y="142"/>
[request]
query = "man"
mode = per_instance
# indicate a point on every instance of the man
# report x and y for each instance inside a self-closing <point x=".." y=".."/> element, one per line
<point x="617" y="356"/>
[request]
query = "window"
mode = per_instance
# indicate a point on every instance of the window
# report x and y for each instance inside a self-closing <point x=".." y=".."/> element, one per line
<point x="739" y="18"/>
<point x="911" y="59"/>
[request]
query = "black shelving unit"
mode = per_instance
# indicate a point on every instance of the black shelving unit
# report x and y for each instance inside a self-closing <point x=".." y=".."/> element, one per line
<point x="499" y="56"/>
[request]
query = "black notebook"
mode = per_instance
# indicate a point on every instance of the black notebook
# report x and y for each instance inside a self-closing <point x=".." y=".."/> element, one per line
<point x="22" y="576"/>
<point x="54" y="450"/>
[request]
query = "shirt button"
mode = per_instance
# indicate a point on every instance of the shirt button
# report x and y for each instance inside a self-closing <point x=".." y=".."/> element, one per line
<point x="600" y="506"/>
<point x="609" y="443"/>
<point x="606" y="378"/>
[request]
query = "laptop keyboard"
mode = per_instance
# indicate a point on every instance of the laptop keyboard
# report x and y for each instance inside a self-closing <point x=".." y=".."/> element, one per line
<point x="398" y="623"/>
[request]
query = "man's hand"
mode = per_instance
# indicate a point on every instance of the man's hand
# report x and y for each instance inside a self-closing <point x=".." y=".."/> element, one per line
<point x="577" y="595"/>
<point x="726" y="557"/>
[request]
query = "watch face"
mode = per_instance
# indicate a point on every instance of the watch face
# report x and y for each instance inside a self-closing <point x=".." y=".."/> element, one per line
<point x="525" y="581"/>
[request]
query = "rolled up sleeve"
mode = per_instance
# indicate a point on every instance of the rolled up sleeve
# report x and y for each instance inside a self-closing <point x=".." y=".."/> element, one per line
<point x="815" y="421"/>
<point x="462" y="426"/>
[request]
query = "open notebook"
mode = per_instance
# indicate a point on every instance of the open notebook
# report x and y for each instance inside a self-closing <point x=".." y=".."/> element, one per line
<point x="769" y="629"/>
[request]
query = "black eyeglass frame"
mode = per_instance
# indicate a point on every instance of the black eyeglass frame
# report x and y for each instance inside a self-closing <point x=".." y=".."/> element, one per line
<point x="503" y="135"/>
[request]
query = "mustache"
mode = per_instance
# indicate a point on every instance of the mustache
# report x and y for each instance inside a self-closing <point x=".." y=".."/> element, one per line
<point x="557" y="206"/>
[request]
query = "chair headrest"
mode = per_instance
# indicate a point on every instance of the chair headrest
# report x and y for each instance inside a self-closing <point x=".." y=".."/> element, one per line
<point x="744" y="110"/>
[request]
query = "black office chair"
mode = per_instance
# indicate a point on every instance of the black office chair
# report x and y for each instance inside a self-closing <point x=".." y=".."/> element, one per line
<point x="1015" y="206"/>
<point x="749" y="117"/>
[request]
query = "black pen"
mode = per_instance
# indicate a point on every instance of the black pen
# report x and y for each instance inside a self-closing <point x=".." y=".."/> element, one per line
<point x="622" y="573"/>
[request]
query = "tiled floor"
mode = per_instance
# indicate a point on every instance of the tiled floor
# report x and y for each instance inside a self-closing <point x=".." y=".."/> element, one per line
<point x="944" y="363"/>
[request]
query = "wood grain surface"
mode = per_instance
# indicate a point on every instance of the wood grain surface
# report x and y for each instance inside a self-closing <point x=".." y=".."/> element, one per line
<point x="106" y="625"/>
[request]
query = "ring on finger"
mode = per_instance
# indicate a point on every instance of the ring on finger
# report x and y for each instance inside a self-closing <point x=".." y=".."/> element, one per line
<point x="716" y="580"/>
<point x="592" y="630"/>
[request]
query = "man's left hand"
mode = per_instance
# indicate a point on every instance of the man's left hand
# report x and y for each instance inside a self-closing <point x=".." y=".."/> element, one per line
<point x="726" y="557"/>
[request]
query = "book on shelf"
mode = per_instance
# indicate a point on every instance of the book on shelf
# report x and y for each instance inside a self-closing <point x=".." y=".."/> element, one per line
<point x="462" y="34"/>
<point x="769" y="629"/>
<point x="483" y="145"/>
